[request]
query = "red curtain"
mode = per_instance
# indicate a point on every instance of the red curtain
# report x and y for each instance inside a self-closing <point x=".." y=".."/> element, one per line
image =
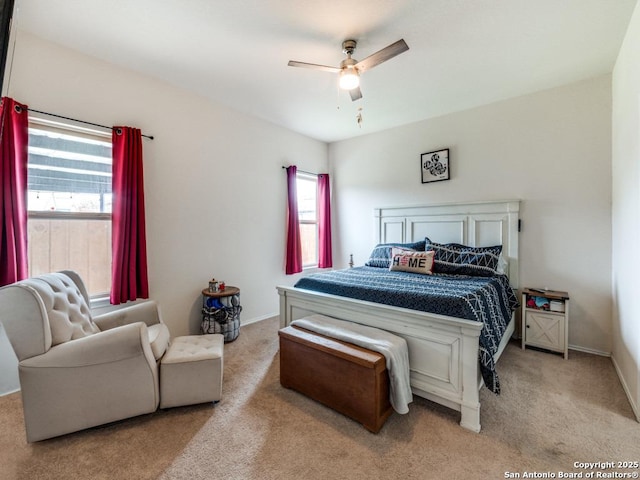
<point x="13" y="197"/>
<point x="129" y="265"/>
<point x="324" y="222"/>
<point x="293" y="262"/>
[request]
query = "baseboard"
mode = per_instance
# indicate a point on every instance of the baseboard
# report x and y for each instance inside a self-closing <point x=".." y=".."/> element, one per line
<point x="2" y="394"/>
<point x="634" y="407"/>
<point x="578" y="348"/>
<point x="589" y="350"/>
<point x="258" y="319"/>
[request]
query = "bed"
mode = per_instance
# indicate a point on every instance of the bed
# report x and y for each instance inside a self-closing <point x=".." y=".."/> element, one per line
<point x="447" y="354"/>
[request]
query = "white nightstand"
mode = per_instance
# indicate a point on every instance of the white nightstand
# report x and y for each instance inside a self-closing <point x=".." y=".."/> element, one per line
<point x="545" y="325"/>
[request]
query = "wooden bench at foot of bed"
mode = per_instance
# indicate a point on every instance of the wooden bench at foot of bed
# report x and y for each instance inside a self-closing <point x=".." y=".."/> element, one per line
<point x="350" y="379"/>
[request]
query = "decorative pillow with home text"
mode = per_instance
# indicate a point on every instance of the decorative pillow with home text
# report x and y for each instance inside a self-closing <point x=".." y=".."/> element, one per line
<point x="381" y="254"/>
<point x="408" y="261"/>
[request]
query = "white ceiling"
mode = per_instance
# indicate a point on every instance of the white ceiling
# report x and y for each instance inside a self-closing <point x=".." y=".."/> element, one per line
<point x="462" y="53"/>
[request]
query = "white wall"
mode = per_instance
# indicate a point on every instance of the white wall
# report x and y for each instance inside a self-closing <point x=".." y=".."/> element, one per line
<point x="626" y="212"/>
<point x="215" y="189"/>
<point x="551" y="149"/>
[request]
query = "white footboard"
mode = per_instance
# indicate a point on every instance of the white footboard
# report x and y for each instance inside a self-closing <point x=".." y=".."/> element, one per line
<point x="443" y="351"/>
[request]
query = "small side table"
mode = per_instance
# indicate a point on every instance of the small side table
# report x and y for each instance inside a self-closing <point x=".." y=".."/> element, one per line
<point x="221" y="312"/>
<point x="546" y="327"/>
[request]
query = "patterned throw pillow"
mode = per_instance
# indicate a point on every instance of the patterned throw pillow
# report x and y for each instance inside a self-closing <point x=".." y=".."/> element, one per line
<point x="459" y="259"/>
<point x="411" y="261"/>
<point x="381" y="254"/>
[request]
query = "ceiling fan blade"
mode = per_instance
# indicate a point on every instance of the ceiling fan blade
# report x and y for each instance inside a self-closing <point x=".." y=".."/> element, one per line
<point x="293" y="63"/>
<point x="382" y="55"/>
<point x="355" y="93"/>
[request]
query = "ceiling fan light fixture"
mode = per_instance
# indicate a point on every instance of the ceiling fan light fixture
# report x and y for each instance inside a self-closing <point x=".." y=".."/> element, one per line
<point x="349" y="79"/>
<point x="350" y="68"/>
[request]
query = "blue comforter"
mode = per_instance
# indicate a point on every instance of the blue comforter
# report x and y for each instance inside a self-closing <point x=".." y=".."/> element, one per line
<point x="489" y="300"/>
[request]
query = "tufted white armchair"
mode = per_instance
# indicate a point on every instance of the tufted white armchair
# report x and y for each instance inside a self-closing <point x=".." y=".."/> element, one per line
<point x="77" y="371"/>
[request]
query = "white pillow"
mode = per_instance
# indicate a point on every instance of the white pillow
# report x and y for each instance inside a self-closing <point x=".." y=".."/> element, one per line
<point x="411" y="261"/>
<point x="503" y="265"/>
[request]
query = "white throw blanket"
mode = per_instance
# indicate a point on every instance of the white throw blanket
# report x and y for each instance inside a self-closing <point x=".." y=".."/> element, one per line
<point x="393" y="348"/>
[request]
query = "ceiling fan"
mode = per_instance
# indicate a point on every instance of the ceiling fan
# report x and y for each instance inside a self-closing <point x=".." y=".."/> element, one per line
<point x="350" y="68"/>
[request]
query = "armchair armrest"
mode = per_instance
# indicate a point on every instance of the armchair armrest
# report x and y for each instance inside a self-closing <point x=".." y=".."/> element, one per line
<point x="101" y="378"/>
<point x="146" y="312"/>
<point x="120" y="343"/>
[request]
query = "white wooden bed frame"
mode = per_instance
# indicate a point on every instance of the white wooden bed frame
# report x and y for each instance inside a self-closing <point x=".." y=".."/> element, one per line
<point x="443" y="350"/>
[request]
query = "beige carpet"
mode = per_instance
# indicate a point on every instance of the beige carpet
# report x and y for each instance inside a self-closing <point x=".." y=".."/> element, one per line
<point x="550" y="414"/>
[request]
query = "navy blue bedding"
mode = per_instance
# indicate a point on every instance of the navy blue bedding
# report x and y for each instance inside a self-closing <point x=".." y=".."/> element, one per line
<point x="489" y="300"/>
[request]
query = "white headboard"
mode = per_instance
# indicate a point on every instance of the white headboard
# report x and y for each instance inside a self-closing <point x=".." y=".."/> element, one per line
<point x="478" y="224"/>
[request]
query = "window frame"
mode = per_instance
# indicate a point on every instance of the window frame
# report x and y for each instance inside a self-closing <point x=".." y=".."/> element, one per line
<point x="316" y="221"/>
<point x="98" y="299"/>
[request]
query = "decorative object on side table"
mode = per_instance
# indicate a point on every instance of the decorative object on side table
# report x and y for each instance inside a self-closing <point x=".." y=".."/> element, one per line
<point x="216" y="285"/>
<point x="435" y="166"/>
<point x="545" y="319"/>
<point x="221" y="310"/>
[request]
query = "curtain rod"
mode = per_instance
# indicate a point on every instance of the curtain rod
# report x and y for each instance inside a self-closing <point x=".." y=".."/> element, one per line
<point x="302" y="171"/>
<point x="150" y="137"/>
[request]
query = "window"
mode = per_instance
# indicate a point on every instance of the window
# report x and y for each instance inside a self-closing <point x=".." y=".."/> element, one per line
<point x="69" y="202"/>
<point x="307" y="187"/>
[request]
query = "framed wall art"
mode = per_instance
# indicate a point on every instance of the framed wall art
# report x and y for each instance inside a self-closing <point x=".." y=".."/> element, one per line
<point x="435" y="166"/>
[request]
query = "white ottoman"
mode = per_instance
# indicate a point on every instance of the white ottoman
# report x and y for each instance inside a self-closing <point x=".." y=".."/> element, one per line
<point x="191" y="370"/>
